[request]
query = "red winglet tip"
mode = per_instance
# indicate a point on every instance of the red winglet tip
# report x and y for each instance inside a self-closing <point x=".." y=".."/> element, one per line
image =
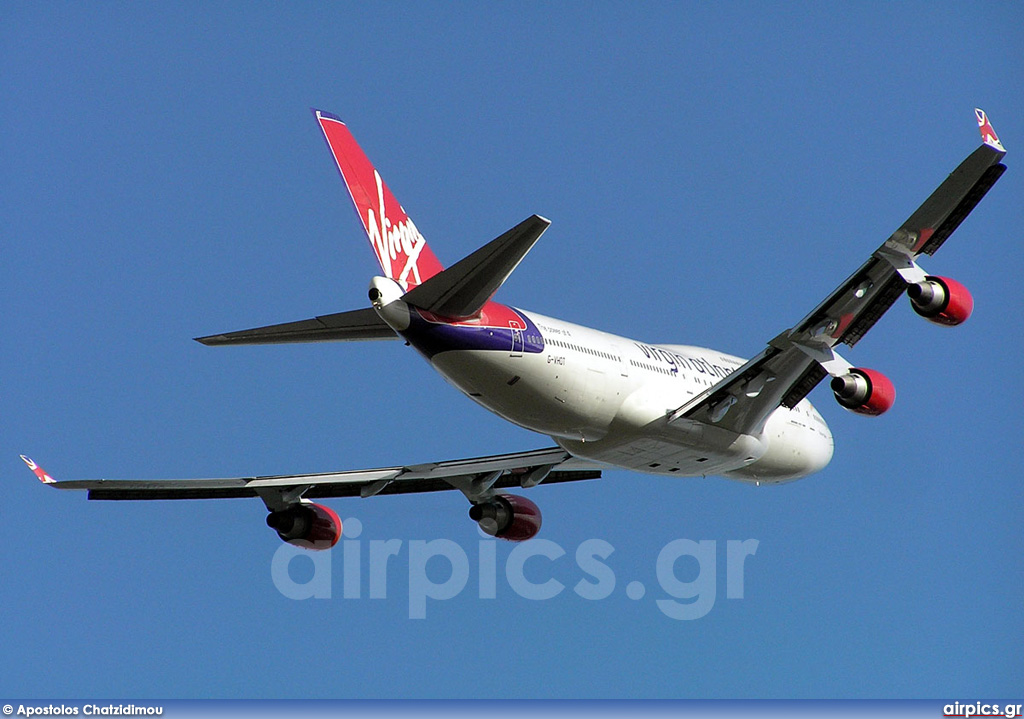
<point x="38" y="471"/>
<point x="988" y="135"/>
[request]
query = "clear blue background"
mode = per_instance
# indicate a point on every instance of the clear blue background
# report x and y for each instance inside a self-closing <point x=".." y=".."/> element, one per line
<point x="712" y="172"/>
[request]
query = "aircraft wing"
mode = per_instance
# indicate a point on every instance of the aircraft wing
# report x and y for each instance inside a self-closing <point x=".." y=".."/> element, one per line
<point x="799" y="358"/>
<point x="350" y="326"/>
<point x="476" y="477"/>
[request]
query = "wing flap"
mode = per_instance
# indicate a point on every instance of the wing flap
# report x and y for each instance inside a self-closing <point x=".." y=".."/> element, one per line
<point x="969" y="202"/>
<point x="810" y="379"/>
<point x="873" y="309"/>
<point x="506" y="481"/>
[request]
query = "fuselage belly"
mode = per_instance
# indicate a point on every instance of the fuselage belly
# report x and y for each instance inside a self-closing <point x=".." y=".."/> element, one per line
<point x="606" y="398"/>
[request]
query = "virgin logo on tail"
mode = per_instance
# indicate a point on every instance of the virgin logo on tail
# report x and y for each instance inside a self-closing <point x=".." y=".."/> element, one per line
<point x="396" y="245"/>
<point x="400" y="248"/>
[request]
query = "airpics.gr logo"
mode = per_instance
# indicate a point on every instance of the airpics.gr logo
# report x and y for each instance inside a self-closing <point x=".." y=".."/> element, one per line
<point x="686" y="571"/>
<point x="980" y="709"/>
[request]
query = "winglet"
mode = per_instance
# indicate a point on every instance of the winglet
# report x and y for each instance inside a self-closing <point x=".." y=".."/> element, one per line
<point x="38" y="471"/>
<point x="988" y="135"/>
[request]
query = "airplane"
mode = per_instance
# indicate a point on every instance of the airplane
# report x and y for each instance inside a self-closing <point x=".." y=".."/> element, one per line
<point x="606" y="401"/>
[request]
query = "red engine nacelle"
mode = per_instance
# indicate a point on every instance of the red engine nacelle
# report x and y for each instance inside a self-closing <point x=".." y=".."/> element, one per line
<point x="310" y="526"/>
<point x="864" y="391"/>
<point x="941" y="300"/>
<point x="507" y="516"/>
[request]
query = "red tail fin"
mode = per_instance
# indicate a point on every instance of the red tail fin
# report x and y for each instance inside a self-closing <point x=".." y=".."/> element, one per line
<point x="401" y="250"/>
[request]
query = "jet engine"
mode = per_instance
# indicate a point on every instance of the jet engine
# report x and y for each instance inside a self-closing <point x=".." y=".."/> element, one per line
<point x="941" y="300"/>
<point x="308" y="525"/>
<point x="864" y="391"/>
<point x="507" y="516"/>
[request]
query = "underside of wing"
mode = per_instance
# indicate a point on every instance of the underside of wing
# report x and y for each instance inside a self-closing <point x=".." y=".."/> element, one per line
<point x="517" y="469"/>
<point x="798" y="359"/>
<point x="743" y="401"/>
<point x="300" y="521"/>
<point x="856" y="305"/>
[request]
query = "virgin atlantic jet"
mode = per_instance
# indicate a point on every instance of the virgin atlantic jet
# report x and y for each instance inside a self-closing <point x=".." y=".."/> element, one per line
<point x="605" y="401"/>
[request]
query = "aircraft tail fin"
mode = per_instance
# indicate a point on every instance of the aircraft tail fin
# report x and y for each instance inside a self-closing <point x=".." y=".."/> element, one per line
<point x="400" y="248"/>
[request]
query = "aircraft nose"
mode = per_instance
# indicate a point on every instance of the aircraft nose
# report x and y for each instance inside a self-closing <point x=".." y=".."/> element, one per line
<point x="794" y="450"/>
<point x="820" y="449"/>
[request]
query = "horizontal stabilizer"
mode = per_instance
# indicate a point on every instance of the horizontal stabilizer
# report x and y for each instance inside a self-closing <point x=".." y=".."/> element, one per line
<point x="349" y="326"/>
<point x="463" y="289"/>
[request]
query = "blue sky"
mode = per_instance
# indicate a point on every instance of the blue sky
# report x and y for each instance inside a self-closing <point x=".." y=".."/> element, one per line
<point x="712" y="171"/>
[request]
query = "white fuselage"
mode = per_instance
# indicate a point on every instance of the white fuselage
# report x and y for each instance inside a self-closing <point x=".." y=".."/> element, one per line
<point x="606" y="399"/>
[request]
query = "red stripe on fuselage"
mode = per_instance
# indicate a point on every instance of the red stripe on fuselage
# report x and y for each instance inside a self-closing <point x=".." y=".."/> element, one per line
<point x="493" y="314"/>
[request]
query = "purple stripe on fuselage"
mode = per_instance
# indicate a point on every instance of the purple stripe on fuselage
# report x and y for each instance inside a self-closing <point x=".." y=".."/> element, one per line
<point x="432" y="338"/>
